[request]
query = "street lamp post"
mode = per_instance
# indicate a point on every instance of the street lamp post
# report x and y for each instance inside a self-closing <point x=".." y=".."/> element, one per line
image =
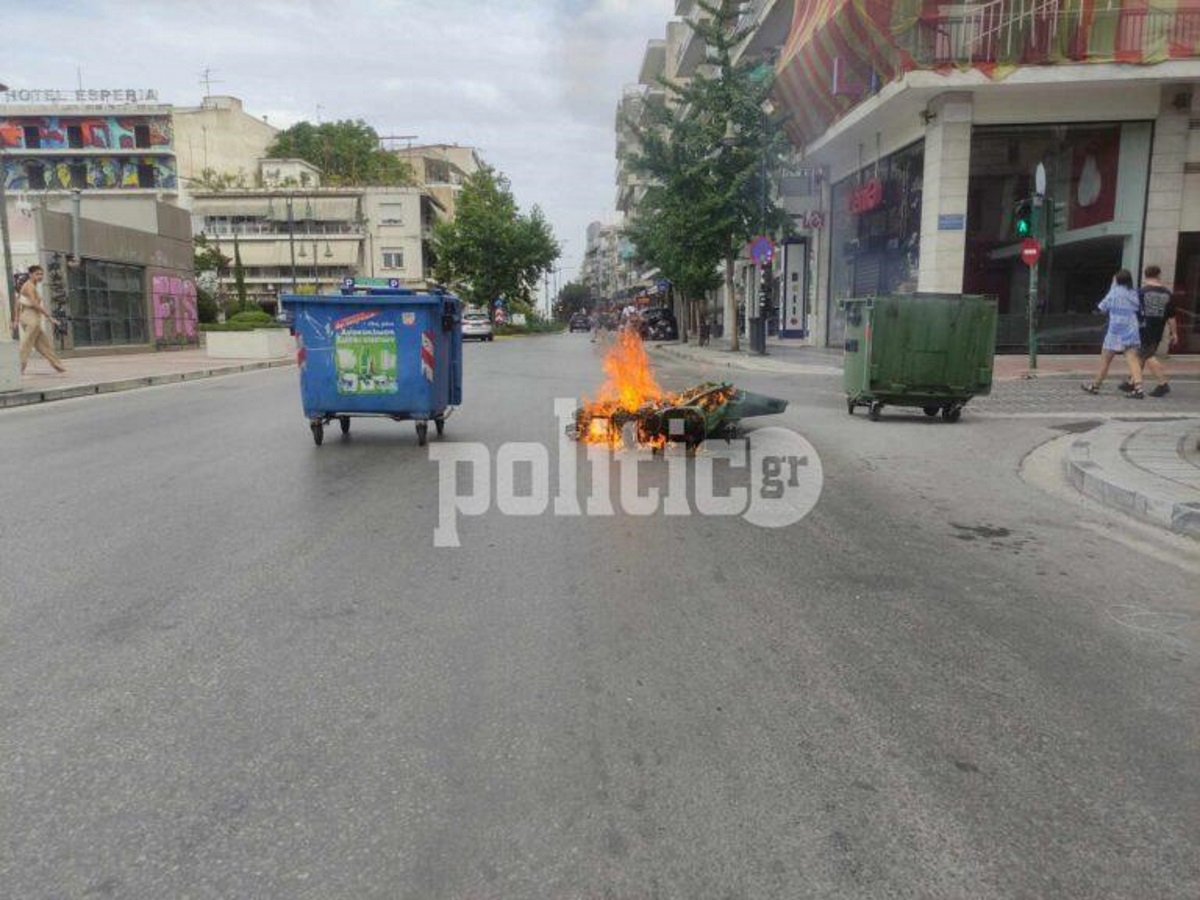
<point x="292" y="235"/>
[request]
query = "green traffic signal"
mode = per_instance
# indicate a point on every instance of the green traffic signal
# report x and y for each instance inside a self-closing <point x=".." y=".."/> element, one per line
<point x="1023" y="220"/>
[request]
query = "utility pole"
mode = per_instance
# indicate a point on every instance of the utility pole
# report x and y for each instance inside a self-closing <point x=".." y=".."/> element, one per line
<point x="1037" y="215"/>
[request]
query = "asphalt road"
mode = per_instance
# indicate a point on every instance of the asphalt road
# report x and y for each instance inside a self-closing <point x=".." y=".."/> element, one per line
<point x="234" y="665"/>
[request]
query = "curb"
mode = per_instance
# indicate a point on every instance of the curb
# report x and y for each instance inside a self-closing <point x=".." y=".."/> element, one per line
<point x="28" y="398"/>
<point x="1085" y="470"/>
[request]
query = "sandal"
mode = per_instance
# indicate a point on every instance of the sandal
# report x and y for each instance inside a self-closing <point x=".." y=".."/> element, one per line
<point x="1136" y="393"/>
<point x="1090" y="387"/>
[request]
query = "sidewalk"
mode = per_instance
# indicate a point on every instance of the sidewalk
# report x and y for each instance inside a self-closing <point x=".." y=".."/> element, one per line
<point x="1141" y="457"/>
<point x="87" y="375"/>
<point x="787" y="356"/>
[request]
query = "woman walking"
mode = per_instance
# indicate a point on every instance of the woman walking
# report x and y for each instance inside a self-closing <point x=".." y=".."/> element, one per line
<point x="1123" y="336"/>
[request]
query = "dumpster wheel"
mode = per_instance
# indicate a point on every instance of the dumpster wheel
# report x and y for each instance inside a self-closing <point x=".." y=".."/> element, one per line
<point x="318" y="431"/>
<point x="931" y="411"/>
<point x="440" y="424"/>
<point x="850" y="404"/>
<point x="422" y="433"/>
<point x="952" y="412"/>
<point x="875" y="410"/>
<point x="344" y="421"/>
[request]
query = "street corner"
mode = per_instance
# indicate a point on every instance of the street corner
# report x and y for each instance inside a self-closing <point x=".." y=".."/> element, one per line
<point x="1150" y="471"/>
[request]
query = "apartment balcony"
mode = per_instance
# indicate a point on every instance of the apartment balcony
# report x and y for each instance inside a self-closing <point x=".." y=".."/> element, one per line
<point x="654" y="62"/>
<point x="692" y="49"/>
<point x="1043" y="33"/>
<point x="769" y="23"/>
<point x="828" y="69"/>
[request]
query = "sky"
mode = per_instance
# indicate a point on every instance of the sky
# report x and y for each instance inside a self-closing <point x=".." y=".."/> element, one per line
<point x="532" y="84"/>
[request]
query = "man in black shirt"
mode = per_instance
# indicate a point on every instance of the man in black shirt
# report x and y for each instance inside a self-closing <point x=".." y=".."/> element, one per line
<point x="1158" y="317"/>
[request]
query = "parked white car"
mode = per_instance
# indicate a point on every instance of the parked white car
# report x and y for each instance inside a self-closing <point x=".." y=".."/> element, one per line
<point x="476" y="326"/>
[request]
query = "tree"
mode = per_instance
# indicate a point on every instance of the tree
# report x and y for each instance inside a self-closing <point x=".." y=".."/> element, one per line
<point x="209" y="265"/>
<point x="710" y="156"/>
<point x="346" y="152"/>
<point x="491" y="250"/>
<point x="574" y="297"/>
<point x="239" y="275"/>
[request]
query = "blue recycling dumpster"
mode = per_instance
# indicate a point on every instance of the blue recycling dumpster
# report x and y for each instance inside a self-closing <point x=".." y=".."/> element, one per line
<point x="387" y="352"/>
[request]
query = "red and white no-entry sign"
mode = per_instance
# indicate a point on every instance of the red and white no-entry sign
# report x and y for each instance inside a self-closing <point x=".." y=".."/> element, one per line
<point x="1031" y="251"/>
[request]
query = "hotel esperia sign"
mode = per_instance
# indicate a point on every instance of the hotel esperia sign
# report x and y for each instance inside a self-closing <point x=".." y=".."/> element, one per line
<point x="83" y="95"/>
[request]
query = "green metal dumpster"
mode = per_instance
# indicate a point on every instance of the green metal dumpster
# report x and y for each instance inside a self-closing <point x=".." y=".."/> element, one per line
<point x="932" y="351"/>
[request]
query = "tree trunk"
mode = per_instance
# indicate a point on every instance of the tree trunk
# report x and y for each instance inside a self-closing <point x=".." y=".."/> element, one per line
<point x="681" y="318"/>
<point x="731" y="325"/>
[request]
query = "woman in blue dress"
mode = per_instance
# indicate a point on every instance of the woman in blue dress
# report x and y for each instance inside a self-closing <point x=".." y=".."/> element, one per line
<point x="1123" y="336"/>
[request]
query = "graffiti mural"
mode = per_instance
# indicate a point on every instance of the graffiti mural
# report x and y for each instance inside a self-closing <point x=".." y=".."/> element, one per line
<point x="173" y="301"/>
<point x="92" y="132"/>
<point x="22" y="174"/>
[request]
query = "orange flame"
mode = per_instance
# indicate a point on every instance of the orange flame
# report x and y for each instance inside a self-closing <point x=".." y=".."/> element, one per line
<point x="631" y="394"/>
<point x="630" y="384"/>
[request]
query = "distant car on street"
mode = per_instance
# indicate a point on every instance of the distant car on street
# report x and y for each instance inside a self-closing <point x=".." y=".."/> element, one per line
<point x="580" y="322"/>
<point x="476" y="326"/>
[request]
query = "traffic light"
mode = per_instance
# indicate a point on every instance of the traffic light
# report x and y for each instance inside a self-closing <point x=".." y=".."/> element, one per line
<point x="1023" y="219"/>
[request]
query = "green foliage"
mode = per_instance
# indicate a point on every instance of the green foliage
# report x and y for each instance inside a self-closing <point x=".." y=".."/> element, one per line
<point x="239" y="274"/>
<point x="491" y="249"/>
<point x="710" y="156"/>
<point x="240" y="326"/>
<point x="212" y="180"/>
<point x="573" y="297"/>
<point x="254" y="316"/>
<point x="206" y="257"/>
<point x="206" y="306"/>
<point x="346" y="152"/>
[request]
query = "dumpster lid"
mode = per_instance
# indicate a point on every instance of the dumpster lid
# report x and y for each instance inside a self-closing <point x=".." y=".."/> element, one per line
<point x="372" y="297"/>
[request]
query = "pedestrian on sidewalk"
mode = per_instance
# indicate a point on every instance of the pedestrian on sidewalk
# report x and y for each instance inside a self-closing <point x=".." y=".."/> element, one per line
<point x="33" y="335"/>
<point x="1158" y="318"/>
<point x="1123" y="335"/>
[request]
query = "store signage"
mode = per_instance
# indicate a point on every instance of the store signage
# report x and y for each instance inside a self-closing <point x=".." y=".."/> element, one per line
<point x="813" y="219"/>
<point x="952" y="222"/>
<point x="1031" y="251"/>
<point x="90" y="95"/>
<point x="867" y="196"/>
<point x="761" y="250"/>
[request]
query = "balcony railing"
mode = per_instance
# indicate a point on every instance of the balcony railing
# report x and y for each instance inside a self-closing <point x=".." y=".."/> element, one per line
<point x="1043" y="34"/>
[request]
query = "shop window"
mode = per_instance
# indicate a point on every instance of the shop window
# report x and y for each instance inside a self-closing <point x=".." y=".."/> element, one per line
<point x="1089" y="224"/>
<point x="141" y="135"/>
<point x="32" y="135"/>
<point x="108" y="304"/>
<point x="74" y="136"/>
<point x="35" y="174"/>
<point x="393" y="258"/>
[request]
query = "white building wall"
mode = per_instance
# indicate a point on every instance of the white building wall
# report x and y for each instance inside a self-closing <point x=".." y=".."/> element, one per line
<point x="946" y="178"/>
<point x="1167" y="195"/>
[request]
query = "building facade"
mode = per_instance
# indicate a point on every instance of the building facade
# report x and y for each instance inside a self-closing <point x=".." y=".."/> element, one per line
<point x="441" y="170"/>
<point x="220" y="138"/>
<point x="293" y="234"/>
<point x="920" y="130"/>
<point x="91" y="181"/>
<point x="931" y="130"/>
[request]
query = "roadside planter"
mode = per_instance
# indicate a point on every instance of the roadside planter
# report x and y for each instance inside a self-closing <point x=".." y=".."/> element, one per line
<point x="261" y="343"/>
